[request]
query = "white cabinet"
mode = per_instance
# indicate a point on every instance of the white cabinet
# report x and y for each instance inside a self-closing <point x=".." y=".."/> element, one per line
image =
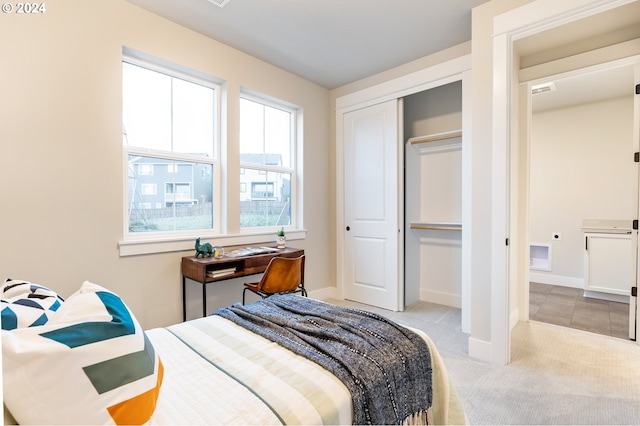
<point x="608" y="263"/>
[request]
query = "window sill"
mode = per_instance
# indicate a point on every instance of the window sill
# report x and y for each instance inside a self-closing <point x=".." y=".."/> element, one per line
<point x="148" y="246"/>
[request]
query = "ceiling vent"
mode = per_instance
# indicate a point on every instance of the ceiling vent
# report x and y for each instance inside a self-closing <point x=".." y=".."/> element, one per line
<point x="542" y="88"/>
<point x="221" y="3"/>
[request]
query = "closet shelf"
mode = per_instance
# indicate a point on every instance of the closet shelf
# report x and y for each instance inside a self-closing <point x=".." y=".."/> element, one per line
<point x="438" y="226"/>
<point x="436" y="137"/>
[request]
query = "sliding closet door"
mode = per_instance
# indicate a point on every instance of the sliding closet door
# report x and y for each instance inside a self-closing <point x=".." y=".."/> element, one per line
<point x="371" y="271"/>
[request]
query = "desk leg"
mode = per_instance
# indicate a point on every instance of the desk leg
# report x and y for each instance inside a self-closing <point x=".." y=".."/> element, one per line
<point x="204" y="300"/>
<point x="184" y="300"/>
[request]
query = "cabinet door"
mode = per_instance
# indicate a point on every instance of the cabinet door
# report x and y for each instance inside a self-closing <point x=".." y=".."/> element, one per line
<point x="608" y="263"/>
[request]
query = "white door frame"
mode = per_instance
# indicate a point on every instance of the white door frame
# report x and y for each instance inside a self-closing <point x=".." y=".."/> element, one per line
<point x="633" y="302"/>
<point x="509" y="27"/>
<point x="632" y="61"/>
<point x="458" y="69"/>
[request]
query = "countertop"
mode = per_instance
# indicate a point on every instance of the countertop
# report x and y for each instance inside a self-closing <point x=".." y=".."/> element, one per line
<point x="607" y="226"/>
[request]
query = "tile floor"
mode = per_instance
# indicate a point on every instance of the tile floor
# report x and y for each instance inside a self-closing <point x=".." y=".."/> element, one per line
<point x="567" y="307"/>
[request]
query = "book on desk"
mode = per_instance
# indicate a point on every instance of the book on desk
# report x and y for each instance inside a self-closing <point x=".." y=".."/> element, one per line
<point x="251" y="251"/>
<point x="221" y="272"/>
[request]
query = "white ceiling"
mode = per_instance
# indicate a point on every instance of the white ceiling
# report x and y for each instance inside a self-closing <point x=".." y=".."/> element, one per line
<point x="612" y="26"/>
<point x="585" y="88"/>
<point x="329" y="42"/>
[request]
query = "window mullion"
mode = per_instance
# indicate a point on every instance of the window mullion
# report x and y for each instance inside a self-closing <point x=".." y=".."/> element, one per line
<point x="264" y="133"/>
<point x="171" y="124"/>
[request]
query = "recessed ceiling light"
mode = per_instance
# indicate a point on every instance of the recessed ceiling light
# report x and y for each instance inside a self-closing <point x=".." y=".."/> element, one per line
<point x="544" y="87"/>
<point x="221" y="3"/>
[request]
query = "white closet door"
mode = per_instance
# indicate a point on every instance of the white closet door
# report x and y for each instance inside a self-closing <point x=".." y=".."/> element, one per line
<point x="371" y="272"/>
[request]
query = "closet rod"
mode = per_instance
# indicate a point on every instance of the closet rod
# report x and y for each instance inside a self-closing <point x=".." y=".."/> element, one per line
<point x="435" y="138"/>
<point x="437" y="228"/>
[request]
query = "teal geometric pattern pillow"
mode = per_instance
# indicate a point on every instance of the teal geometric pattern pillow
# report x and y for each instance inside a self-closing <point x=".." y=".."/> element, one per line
<point x="90" y="364"/>
<point x="25" y="304"/>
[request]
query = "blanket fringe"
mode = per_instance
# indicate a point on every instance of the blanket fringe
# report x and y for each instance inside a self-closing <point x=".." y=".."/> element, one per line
<point x="424" y="417"/>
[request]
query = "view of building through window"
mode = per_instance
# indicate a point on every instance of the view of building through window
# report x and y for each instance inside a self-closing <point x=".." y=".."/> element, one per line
<point x="168" y="134"/>
<point x="266" y="158"/>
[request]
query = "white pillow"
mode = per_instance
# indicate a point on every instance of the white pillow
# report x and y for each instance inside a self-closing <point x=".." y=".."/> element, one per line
<point x="91" y="363"/>
<point x="26" y="304"/>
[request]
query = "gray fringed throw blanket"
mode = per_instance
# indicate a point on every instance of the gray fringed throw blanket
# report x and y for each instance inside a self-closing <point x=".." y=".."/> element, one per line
<point x="386" y="367"/>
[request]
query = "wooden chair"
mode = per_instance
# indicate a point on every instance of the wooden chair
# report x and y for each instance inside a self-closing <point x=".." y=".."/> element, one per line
<point x="283" y="275"/>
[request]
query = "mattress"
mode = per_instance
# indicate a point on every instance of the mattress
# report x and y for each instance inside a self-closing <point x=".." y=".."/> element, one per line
<point x="217" y="372"/>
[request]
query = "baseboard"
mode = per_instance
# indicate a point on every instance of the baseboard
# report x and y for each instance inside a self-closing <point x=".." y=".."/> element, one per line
<point x="575" y="283"/>
<point x="514" y="317"/>
<point x="324" y="293"/>
<point x="447" y="299"/>
<point x="556" y="280"/>
<point x="480" y="349"/>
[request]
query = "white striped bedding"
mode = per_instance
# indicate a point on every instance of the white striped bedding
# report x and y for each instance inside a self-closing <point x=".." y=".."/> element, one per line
<point x="219" y="373"/>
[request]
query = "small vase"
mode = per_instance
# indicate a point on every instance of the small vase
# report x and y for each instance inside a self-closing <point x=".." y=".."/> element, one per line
<point x="281" y="242"/>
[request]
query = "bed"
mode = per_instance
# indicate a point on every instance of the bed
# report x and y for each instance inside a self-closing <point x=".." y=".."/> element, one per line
<point x="212" y="370"/>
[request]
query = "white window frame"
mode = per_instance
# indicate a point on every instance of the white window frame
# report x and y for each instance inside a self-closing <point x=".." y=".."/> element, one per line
<point x="163" y="241"/>
<point x="295" y="138"/>
<point x="138" y="244"/>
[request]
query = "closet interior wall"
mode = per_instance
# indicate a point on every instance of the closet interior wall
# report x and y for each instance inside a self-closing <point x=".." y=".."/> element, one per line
<point x="432" y="123"/>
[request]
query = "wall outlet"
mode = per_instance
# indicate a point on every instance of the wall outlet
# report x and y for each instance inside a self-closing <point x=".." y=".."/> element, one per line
<point x="556" y="236"/>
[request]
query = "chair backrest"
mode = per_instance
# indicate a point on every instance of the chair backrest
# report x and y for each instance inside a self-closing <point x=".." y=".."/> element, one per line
<point x="282" y="275"/>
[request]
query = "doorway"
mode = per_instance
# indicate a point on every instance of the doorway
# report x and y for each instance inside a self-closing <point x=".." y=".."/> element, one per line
<point x="531" y="42"/>
<point x="581" y="171"/>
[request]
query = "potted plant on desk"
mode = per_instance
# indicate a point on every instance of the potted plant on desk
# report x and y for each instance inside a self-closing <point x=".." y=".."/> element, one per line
<point x="281" y="238"/>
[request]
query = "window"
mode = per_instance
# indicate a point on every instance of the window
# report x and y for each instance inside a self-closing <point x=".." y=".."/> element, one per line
<point x="169" y="128"/>
<point x="262" y="191"/>
<point x="148" y="188"/>
<point x="145" y="169"/>
<point x="267" y="163"/>
<point x="173" y="169"/>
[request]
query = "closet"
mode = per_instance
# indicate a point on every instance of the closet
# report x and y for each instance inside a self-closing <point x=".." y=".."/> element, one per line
<point x="431" y="258"/>
<point x="432" y="127"/>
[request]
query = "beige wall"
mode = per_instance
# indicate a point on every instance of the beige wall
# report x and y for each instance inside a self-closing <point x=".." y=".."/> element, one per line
<point x="482" y="81"/>
<point x="581" y="168"/>
<point x="61" y="163"/>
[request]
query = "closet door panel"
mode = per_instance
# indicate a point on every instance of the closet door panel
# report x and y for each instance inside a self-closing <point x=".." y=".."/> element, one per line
<point x="371" y="261"/>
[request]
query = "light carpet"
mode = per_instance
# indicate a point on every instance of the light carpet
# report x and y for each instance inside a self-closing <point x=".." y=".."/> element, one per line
<point x="557" y="375"/>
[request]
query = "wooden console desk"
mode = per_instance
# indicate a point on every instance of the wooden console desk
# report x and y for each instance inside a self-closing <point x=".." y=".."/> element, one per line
<point x="209" y="269"/>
